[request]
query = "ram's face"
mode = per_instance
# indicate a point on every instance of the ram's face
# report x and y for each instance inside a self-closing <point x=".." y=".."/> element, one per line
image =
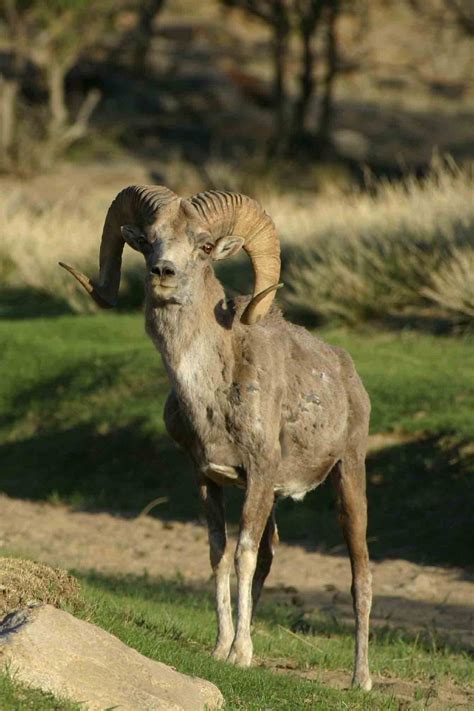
<point x="177" y="248"/>
<point x="180" y="239"/>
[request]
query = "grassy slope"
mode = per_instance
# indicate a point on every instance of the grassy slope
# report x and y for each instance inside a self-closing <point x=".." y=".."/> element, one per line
<point x="82" y="399"/>
<point x="81" y="402"/>
<point x="174" y="623"/>
<point x="17" y="697"/>
<point x="106" y="360"/>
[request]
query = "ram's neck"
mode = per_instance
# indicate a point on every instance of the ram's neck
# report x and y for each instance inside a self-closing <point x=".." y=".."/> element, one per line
<point x="195" y="341"/>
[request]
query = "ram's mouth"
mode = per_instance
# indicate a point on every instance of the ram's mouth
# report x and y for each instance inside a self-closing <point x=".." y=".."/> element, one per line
<point x="164" y="294"/>
<point x="163" y="286"/>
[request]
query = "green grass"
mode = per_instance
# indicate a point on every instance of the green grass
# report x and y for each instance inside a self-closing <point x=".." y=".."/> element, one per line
<point x="153" y="606"/>
<point x="18" y="697"/>
<point x="102" y="369"/>
<point x="174" y="623"/>
<point x="82" y="398"/>
<point x="81" y="401"/>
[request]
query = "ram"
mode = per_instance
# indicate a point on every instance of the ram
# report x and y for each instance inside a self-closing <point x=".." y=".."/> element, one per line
<point x="256" y="401"/>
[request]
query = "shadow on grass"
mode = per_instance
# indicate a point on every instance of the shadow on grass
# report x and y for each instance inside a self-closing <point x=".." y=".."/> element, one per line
<point x="121" y="470"/>
<point x="27" y="302"/>
<point x="324" y="618"/>
<point x="421" y="497"/>
<point x="46" y="394"/>
<point x="421" y="494"/>
<point x="17" y="303"/>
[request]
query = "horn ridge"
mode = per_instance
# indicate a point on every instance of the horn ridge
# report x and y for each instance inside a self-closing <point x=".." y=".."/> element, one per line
<point x="227" y="213"/>
<point x="137" y="204"/>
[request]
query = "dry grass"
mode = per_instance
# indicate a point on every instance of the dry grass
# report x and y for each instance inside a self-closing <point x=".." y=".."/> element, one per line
<point x="354" y="256"/>
<point x="37" y="232"/>
<point x="23" y="582"/>
<point x="452" y="286"/>
<point x="404" y="246"/>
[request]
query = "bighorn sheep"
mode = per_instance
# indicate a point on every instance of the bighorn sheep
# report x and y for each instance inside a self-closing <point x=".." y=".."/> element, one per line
<point x="256" y="401"/>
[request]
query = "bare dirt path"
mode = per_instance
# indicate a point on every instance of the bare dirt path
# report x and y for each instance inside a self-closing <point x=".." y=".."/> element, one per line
<point x="415" y="597"/>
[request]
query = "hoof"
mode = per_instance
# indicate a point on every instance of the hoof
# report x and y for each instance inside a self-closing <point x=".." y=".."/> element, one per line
<point x="241" y="657"/>
<point x="221" y="651"/>
<point x="365" y="683"/>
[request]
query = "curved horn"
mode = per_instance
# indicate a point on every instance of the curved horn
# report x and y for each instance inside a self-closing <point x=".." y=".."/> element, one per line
<point x="137" y="204"/>
<point x="235" y="214"/>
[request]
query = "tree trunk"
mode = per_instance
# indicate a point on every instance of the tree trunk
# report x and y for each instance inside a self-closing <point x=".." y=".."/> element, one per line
<point x="57" y="96"/>
<point x="10" y="85"/>
<point x="144" y="32"/>
<point x="308" y="23"/>
<point x="326" y="113"/>
<point x="9" y="89"/>
<point x="280" y="50"/>
<point x="306" y="87"/>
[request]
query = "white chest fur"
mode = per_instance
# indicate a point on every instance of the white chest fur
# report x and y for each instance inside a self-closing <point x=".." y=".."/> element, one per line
<point x="190" y="375"/>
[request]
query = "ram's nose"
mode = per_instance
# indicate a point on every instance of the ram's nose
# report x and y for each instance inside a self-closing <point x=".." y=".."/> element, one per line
<point x="163" y="268"/>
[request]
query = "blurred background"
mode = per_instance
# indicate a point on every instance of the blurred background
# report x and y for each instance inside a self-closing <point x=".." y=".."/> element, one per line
<point x="352" y="122"/>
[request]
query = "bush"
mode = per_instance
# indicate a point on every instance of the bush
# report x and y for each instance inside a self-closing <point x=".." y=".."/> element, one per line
<point x="23" y="582"/>
<point x="405" y="247"/>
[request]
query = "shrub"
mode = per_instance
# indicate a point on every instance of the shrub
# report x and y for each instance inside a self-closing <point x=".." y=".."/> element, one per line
<point x="403" y="247"/>
<point x="406" y="246"/>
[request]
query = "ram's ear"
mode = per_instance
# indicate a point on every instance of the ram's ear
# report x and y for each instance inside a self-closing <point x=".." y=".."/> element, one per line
<point x="226" y="247"/>
<point x="134" y="237"/>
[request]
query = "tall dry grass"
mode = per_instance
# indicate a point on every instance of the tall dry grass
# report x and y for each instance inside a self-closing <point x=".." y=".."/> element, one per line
<point x="36" y="233"/>
<point x="401" y="248"/>
<point x="353" y="256"/>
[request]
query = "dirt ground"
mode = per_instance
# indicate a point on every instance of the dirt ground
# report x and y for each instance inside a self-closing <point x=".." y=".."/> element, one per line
<point x="406" y="595"/>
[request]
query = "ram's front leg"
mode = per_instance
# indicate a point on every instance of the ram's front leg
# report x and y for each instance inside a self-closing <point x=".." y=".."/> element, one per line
<point x="257" y="508"/>
<point x="212" y="497"/>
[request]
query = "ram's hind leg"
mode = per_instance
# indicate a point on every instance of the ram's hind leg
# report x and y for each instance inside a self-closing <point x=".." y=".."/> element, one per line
<point x="212" y="497"/>
<point x="265" y="558"/>
<point x="349" y="478"/>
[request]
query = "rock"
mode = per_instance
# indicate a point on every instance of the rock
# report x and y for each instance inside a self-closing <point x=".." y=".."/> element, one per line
<point x="50" y="649"/>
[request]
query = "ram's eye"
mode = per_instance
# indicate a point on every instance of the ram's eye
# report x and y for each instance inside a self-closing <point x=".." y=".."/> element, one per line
<point x="207" y="247"/>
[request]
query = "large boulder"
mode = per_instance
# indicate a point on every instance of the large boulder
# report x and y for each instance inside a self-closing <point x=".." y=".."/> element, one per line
<point x="50" y="649"/>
